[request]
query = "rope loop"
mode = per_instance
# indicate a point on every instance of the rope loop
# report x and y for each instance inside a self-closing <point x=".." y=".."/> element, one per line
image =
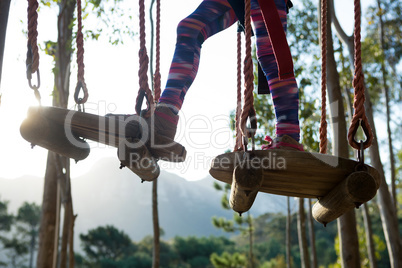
<point x="359" y="117"/>
<point x="142" y="94"/>
<point x="29" y="77"/>
<point x="80" y="86"/>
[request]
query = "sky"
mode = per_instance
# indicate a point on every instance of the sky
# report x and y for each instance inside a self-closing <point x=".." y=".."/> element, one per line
<point x="111" y="74"/>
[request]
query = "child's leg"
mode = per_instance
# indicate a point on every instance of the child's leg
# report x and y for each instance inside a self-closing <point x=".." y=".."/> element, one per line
<point x="285" y="94"/>
<point x="211" y="17"/>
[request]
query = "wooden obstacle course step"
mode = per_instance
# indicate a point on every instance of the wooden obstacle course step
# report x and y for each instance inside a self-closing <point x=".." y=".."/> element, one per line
<point x="109" y="130"/>
<point x="246" y="183"/>
<point x="39" y="130"/>
<point x="292" y="173"/>
<point x="139" y="160"/>
<point x="358" y="188"/>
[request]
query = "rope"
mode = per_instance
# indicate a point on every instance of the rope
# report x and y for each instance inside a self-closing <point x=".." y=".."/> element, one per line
<point x="32" y="61"/>
<point x="32" y="35"/>
<point x="144" y="90"/>
<point x="323" y="123"/>
<point x="80" y="60"/>
<point x="359" y="116"/>
<point x="157" y="75"/>
<point x="238" y="144"/>
<point x="248" y="106"/>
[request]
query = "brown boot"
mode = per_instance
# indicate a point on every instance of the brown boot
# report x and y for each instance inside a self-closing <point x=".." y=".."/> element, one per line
<point x="163" y="125"/>
<point x="165" y="121"/>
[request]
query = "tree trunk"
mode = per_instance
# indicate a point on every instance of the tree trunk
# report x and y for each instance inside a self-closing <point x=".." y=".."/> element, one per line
<point x="301" y="227"/>
<point x="47" y="229"/>
<point x="250" y="236"/>
<point x="313" y="253"/>
<point x="155" y="217"/>
<point x="4" y="10"/>
<point x="71" y="256"/>
<point x="388" y="214"/>
<point x="48" y="237"/>
<point x="32" y="247"/>
<point x="388" y="113"/>
<point x="349" y="243"/>
<point x="369" y="236"/>
<point x="288" y="236"/>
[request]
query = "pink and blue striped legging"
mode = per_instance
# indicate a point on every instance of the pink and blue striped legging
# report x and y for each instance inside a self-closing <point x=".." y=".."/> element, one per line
<point x="211" y="17"/>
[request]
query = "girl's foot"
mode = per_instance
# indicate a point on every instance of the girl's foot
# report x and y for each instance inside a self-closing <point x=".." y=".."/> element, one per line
<point x="284" y="142"/>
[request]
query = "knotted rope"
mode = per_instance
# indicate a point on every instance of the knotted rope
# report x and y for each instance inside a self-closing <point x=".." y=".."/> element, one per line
<point x="32" y="61"/>
<point x="359" y="116"/>
<point x="248" y="110"/>
<point x="238" y="143"/>
<point x="157" y="75"/>
<point x="80" y="60"/>
<point x="144" y="90"/>
<point x="323" y="122"/>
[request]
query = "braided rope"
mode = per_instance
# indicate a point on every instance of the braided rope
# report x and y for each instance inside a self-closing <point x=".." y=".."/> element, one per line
<point x="238" y="144"/>
<point x="157" y="75"/>
<point x="80" y="59"/>
<point x="359" y="116"/>
<point x="32" y="35"/>
<point x="144" y="89"/>
<point x="248" y="106"/>
<point x="323" y="123"/>
<point x="32" y="61"/>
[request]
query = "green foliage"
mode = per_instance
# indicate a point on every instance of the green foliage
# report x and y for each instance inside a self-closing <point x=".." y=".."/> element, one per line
<point x="227" y="260"/>
<point x="6" y="219"/>
<point x="22" y="232"/>
<point x="196" y="251"/>
<point x="29" y="214"/>
<point x="106" y="243"/>
<point x="112" y="19"/>
<point x="278" y="262"/>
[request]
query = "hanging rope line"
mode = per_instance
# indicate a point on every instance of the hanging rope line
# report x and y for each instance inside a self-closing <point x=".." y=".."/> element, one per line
<point x="80" y="60"/>
<point x="144" y="90"/>
<point x="157" y="75"/>
<point x="248" y="106"/>
<point x="359" y="116"/>
<point x="323" y="123"/>
<point x="32" y="61"/>
<point x="238" y="143"/>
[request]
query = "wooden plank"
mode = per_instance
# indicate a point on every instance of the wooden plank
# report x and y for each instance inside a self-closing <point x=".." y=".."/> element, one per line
<point x="40" y="131"/>
<point x="140" y="161"/>
<point x="109" y="130"/>
<point x="292" y="173"/>
<point x="358" y="188"/>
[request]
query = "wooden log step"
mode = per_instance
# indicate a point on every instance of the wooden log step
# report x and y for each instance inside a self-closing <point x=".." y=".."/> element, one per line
<point x="358" y="188"/>
<point x="139" y="160"/>
<point x="292" y="173"/>
<point x="40" y="130"/>
<point x="109" y="130"/>
<point x="246" y="183"/>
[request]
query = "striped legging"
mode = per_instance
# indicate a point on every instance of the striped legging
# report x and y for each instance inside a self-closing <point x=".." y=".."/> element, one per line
<point x="211" y="17"/>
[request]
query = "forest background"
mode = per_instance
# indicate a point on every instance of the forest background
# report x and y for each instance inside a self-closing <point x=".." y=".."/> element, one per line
<point x="382" y="65"/>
